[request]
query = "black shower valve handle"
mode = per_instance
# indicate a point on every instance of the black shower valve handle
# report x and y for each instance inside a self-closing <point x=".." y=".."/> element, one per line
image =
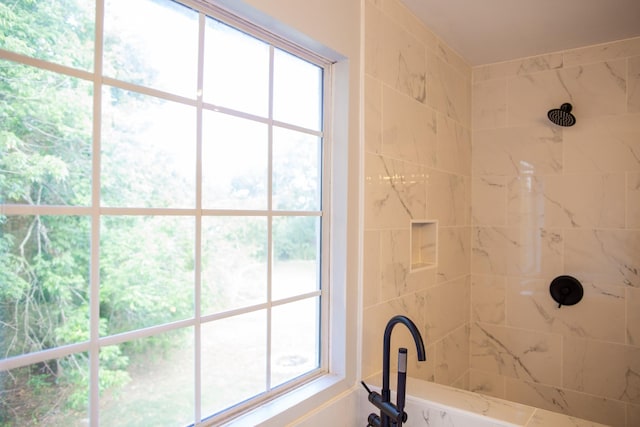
<point x="566" y="290"/>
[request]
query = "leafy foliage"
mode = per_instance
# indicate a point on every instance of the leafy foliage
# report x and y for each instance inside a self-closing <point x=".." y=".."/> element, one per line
<point x="46" y="159"/>
<point x="146" y="263"/>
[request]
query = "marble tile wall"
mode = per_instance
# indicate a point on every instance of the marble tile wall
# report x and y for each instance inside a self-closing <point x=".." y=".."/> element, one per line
<point x="548" y="201"/>
<point x="532" y="202"/>
<point x="417" y="166"/>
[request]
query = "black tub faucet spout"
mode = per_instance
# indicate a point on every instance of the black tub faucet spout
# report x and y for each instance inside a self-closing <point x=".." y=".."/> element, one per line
<point x="393" y="415"/>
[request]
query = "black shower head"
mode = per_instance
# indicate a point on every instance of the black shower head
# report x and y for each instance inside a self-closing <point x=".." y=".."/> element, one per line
<point x="562" y="116"/>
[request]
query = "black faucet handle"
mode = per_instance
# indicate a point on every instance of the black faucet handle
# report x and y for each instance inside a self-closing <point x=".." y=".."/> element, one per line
<point x="387" y="408"/>
<point x="374" y="420"/>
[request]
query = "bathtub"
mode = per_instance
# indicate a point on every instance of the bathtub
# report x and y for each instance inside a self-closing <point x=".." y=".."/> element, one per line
<point x="434" y="405"/>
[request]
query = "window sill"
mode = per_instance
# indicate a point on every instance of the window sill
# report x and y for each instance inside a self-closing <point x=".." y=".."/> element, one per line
<point x="293" y="405"/>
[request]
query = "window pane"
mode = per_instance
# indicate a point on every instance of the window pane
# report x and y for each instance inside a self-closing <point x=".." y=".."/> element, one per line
<point x="146" y="271"/>
<point x="296" y="255"/>
<point x="152" y="43"/>
<point x="237" y="159"/>
<point x="234" y="263"/>
<point x="60" y="31"/>
<point x="45" y="137"/>
<point x="44" y="282"/>
<point x="297" y="91"/>
<point x="296" y="170"/>
<point x="236" y="70"/>
<point x="234" y="163"/>
<point x="149" y="381"/>
<point x="295" y="340"/>
<point x="51" y="393"/>
<point x="234" y="357"/>
<point x="148" y="151"/>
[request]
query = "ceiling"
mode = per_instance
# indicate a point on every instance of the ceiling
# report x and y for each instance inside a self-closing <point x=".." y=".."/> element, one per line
<point x="488" y="31"/>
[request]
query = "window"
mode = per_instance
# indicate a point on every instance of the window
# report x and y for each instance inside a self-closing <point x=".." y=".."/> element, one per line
<point x="163" y="214"/>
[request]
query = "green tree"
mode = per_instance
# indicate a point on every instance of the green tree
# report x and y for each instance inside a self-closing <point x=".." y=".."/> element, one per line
<point x="146" y="263"/>
<point x="46" y="128"/>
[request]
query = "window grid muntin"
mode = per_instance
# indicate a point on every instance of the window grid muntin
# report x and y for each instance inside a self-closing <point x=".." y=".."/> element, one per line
<point x="96" y="211"/>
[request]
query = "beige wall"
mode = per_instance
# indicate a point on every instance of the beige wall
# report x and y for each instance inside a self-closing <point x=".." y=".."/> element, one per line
<point x="417" y="166"/>
<point x="549" y="201"/>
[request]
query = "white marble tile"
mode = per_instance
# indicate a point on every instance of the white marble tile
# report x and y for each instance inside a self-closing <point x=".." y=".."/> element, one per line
<point x="432" y="395"/>
<point x="576" y="200"/>
<point x="453" y="152"/>
<point x="424" y="370"/>
<point x="489" y="104"/>
<point x="518" y="67"/>
<point x="394" y="192"/>
<point x="633" y="200"/>
<point x="531" y="356"/>
<point x="446" y="308"/>
<point x="452" y="356"/>
<point x="396" y="279"/>
<point x="487" y="383"/>
<point x="451" y="57"/>
<point x="372" y="115"/>
<point x="489" y="200"/>
<point x="581" y="189"/>
<point x="371" y="268"/>
<point x="448" y="198"/>
<point x="408" y="129"/>
<point x="526" y="203"/>
<point x="530" y="97"/>
<point x="599" y="315"/>
<point x="402" y="64"/>
<point x="436" y="417"/>
<point x="448" y="91"/>
<point x="454" y="253"/>
<point x="607" y="144"/>
<point x="633" y="316"/>
<point x="603" y="256"/>
<point x="633" y="85"/>
<point x="542" y="418"/>
<point x="462" y="382"/>
<point x="602" y="368"/>
<point x="602" y="52"/>
<point x="517" y="252"/>
<point x="561" y="401"/>
<point x="488" y="299"/>
<point x="594" y="90"/>
<point x="518" y="150"/>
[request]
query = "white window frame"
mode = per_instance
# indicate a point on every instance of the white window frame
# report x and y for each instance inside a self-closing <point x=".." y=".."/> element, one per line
<point x="338" y="344"/>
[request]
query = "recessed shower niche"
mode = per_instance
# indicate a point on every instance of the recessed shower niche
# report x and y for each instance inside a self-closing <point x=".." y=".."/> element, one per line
<point x="424" y="244"/>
